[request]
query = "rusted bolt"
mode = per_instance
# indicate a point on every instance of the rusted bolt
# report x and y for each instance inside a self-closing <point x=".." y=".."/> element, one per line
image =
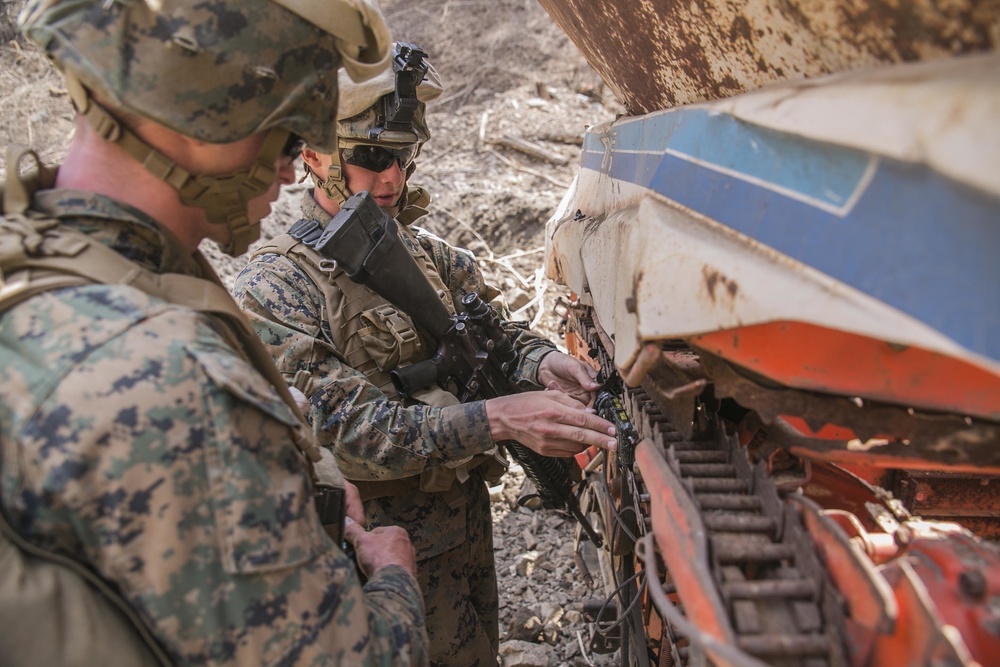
<point x="973" y="584"/>
<point x="923" y="493"/>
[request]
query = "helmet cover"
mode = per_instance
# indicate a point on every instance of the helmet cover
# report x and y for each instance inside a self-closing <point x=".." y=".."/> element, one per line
<point x="216" y="71"/>
<point x="390" y="108"/>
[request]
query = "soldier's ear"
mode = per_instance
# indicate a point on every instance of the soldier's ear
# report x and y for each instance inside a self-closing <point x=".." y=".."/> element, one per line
<point x="317" y="162"/>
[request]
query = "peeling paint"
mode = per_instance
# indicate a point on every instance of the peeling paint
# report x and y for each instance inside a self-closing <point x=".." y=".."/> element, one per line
<point x="657" y="54"/>
<point x="714" y="278"/>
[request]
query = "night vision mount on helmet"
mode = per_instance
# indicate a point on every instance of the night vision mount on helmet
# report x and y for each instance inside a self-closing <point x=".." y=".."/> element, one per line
<point x="388" y="110"/>
<point x="400" y="110"/>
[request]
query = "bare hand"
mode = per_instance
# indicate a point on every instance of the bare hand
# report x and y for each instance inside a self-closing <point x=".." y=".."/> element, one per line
<point x="381" y="547"/>
<point x="549" y="422"/>
<point x="355" y="508"/>
<point x="569" y="375"/>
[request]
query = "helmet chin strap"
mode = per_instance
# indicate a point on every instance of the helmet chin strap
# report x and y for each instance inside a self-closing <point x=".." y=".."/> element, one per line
<point x="223" y="198"/>
<point x="334" y="185"/>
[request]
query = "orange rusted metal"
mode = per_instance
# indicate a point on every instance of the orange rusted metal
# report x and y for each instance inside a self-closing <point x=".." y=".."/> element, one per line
<point x="649" y="357"/>
<point x="874" y="458"/>
<point x="972" y="500"/>
<point x="577" y="347"/>
<point x="806" y="356"/>
<point x="680" y="536"/>
<point x="923" y="636"/>
<point x="871" y="607"/>
<point x="583" y="459"/>
<point x="879" y="547"/>
<point x="932" y="598"/>
<point x="961" y="575"/>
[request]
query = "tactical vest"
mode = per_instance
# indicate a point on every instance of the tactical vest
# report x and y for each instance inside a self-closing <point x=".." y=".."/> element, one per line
<point x="374" y="337"/>
<point x="90" y="623"/>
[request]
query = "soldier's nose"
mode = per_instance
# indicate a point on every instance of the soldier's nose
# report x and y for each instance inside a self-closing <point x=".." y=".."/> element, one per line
<point x="393" y="173"/>
<point x="286" y="171"/>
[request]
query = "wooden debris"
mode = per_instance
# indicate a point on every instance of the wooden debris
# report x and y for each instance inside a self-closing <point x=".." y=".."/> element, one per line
<point x="530" y="149"/>
<point x="568" y="138"/>
<point x="520" y="167"/>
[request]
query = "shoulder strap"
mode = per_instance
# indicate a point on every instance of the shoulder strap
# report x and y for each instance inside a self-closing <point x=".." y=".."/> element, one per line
<point x="18" y="190"/>
<point x="160" y="657"/>
<point x="326" y="275"/>
<point x="79" y="259"/>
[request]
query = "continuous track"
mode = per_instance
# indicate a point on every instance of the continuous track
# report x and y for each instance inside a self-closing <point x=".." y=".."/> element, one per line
<point x="760" y="569"/>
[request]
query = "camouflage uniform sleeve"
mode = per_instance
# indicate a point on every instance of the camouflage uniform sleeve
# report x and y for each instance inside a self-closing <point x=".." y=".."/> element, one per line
<point x="460" y="272"/>
<point x="375" y="438"/>
<point x="164" y="461"/>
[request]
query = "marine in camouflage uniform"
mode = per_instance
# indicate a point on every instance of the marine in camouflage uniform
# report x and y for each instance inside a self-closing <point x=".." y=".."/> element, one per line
<point x="137" y="438"/>
<point x="419" y="464"/>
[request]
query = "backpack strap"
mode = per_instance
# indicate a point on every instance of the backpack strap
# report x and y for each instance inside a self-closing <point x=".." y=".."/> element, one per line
<point x="62" y="258"/>
<point x="37" y="256"/>
<point x="19" y="190"/>
<point x="38" y="588"/>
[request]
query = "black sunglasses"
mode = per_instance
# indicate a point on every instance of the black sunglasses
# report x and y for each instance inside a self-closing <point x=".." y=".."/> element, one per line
<point x="378" y="158"/>
<point x="293" y="146"/>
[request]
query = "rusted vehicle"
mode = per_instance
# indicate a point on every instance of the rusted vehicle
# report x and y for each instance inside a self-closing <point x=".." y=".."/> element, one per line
<point x="784" y="263"/>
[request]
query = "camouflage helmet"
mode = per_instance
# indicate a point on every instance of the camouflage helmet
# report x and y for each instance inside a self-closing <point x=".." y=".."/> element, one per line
<point x="388" y="109"/>
<point x="366" y="109"/>
<point x="215" y="71"/>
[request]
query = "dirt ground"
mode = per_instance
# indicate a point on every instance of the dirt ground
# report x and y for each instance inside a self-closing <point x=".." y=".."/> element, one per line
<point x="509" y="74"/>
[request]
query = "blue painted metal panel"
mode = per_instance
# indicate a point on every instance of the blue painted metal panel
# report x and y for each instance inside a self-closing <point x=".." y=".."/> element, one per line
<point x="898" y="232"/>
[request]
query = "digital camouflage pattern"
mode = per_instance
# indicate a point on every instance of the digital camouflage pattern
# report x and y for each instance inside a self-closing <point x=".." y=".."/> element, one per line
<point x="377" y="436"/>
<point x="134" y="440"/>
<point x="460" y="590"/>
<point x="216" y="71"/>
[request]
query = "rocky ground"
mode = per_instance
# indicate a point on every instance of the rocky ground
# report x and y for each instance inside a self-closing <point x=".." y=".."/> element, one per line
<point x="506" y="137"/>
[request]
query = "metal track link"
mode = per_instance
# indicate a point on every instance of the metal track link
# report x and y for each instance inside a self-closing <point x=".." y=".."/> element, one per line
<point x="780" y="604"/>
<point x="775" y="608"/>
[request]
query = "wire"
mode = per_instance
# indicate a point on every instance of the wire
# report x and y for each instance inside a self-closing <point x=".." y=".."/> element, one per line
<point x="718" y="650"/>
<point x="618" y="593"/>
<point x="618" y="517"/>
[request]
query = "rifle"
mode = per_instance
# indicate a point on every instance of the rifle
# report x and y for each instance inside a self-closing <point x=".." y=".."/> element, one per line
<point x="474" y="357"/>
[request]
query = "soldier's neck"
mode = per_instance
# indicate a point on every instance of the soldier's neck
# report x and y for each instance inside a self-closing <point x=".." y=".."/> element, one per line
<point x="95" y="165"/>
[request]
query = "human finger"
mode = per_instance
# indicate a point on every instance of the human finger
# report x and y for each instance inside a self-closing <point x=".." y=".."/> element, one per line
<point x="582" y="429"/>
<point x="353" y="530"/>
<point x="352" y="501"/>
<point x="558" y="394"/>
<point x="584" y="375"/>
<point x="581" y="394"/>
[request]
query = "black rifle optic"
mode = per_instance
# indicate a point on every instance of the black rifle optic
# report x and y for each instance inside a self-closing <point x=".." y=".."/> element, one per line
<point x="474" y="357"/>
